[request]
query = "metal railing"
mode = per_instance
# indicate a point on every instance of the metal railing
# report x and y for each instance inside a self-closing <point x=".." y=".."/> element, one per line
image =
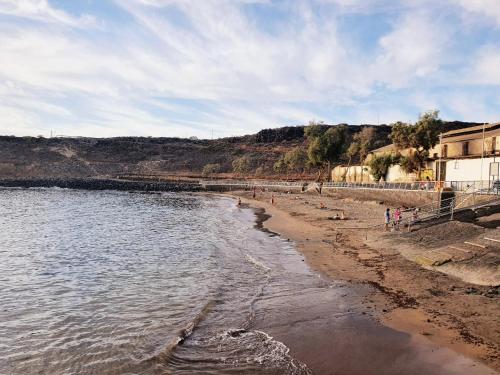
<point x="444" y="207"/>
<point x="416" y="185"/>
<point x="481" y="187"/>
<point x="253" y="183"/>
<point x="478" y="187"/>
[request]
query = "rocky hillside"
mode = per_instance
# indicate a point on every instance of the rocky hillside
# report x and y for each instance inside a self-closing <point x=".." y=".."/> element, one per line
<point x="111" y="157"/>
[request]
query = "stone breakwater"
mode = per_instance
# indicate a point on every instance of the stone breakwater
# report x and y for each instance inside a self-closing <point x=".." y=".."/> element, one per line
<point x="102" y="184"/>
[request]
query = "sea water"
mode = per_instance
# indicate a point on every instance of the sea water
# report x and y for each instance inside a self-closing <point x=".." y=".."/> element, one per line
<point x="115" y="283"/>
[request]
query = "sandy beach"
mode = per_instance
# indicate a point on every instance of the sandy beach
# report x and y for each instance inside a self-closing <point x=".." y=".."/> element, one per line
<point x="447" y="318"/>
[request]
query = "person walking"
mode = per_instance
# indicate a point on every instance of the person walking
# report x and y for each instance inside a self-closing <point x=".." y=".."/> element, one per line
<point x="387" y="219"/>
<point x="397" y="218"/>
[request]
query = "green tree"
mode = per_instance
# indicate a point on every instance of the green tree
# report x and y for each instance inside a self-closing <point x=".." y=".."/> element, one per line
<point x="292" y="161"/>
<point x="363" y="142"/>
<point x="210" y="169"/>
<point x="314" y="129"/>
<point x="366" y="140"/>
<point x="327" y="146"/>
<point x="295" y="159"/>
<point x="421" y="136"/>
<point x="242" y="165"/>
<point x="352" y="151"/>
<point x="411" y="162"/>
<point x="280" y="165"/>
<point x="379" y="165"/>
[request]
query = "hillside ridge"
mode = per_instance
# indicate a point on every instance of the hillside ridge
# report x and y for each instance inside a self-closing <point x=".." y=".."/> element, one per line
<point x="28" y="157"/>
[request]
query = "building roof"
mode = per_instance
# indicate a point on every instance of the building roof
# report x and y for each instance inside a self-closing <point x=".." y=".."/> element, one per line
<point x="472" y="130"/>
<point x="389" y="148"/>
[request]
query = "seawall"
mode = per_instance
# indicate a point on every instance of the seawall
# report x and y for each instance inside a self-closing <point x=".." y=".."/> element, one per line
<point x="101" y="184"/>
<point x="406" y="198"/>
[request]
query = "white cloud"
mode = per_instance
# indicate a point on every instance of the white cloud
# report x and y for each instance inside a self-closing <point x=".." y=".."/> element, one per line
<point x="233" y="75"/>
<point x="416" y="48"/>
<point x="41" y="10"/>
<point x="485" y="69"/>
<point x="483" y="8"/>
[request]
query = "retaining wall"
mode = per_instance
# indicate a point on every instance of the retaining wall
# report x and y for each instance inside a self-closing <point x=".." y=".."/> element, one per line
<point x="392" y="197"/>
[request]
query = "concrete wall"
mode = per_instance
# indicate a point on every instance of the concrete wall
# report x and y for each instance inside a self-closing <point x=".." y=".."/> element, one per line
<point x="353" y="173"/>
<point x="390" y="197"/>
<point x="468" y="169"/>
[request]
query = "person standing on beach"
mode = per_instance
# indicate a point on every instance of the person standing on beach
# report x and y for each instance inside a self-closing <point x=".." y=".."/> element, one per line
<point x="387" y="219"/>
<point x="397" y="218"/>
<point x="272" y="199"/>
<point x="254" y="189"/>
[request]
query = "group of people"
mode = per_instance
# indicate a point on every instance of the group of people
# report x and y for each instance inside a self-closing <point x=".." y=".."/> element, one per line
<point x="396" y="218"/>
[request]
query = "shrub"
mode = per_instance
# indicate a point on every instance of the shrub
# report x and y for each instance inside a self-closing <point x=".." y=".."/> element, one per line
<point x="379" y="165"/>
<point x="210" y="169"/>
<point x="242" y="165"/>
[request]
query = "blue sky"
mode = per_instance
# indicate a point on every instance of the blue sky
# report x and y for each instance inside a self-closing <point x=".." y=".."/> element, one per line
<point x="231" y="67"/>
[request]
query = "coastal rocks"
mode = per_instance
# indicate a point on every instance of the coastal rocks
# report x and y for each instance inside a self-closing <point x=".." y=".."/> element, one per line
<point x="101" y="184"/>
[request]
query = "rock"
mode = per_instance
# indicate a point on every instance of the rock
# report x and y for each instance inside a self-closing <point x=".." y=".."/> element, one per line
<point x="471" y="290"/>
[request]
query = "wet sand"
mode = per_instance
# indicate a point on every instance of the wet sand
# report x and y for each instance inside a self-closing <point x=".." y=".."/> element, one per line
<point x="387" y="315"/>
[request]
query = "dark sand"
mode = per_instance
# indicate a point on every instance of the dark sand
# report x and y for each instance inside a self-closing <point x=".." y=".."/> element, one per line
<point x="382" y="314"/>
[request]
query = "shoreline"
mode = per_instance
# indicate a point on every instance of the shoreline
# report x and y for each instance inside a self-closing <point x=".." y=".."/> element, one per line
<point x="392" y="302"/>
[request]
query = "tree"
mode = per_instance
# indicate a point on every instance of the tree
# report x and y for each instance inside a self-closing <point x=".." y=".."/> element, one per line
<point x="210" y="169"/>
<point x="295" y="159"/>
<point x="280" y="166"/>
<point x="411" y="162"/>
<point x="363" y="143"/>
<point x="314" y="129"/>
<point x="352" y="151"/>
<point x="421" y="136"/>
<point x="365" y="139"/>
<point x="292" y="161"/>
<point x="379" y="165"/>
<point x="401" y="135"/>
<point x="242" y="165"/>
<point x="327" y="146"/>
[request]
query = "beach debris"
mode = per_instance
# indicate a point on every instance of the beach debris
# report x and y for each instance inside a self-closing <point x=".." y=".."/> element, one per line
<point x="475" y="244"/>
<point x="491" y="239"/>
<point x="471" y="290"/>
<point x="433" y="258"/>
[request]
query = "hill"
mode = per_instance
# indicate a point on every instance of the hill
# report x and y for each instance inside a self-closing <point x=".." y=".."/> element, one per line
<point x="37" y="157"/>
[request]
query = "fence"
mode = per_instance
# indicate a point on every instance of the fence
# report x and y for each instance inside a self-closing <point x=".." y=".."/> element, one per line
<point x="416" y="185"/>
<point x="481" y="187"/>
<point x="252" y="183"/>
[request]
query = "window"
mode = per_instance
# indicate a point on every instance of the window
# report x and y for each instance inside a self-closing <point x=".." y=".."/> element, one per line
<point x="465" y="148"/>
<point x="444" y="151"/>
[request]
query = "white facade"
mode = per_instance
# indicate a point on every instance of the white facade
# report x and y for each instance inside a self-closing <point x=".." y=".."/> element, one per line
<point x="470" y="169"/>
<point x="396" y="174"/>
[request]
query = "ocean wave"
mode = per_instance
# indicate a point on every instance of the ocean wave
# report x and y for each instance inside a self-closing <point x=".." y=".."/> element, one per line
<point x="257" y="263"/>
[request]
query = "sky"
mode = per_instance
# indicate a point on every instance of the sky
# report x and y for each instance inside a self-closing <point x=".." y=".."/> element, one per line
<point x="216" y="68"/>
